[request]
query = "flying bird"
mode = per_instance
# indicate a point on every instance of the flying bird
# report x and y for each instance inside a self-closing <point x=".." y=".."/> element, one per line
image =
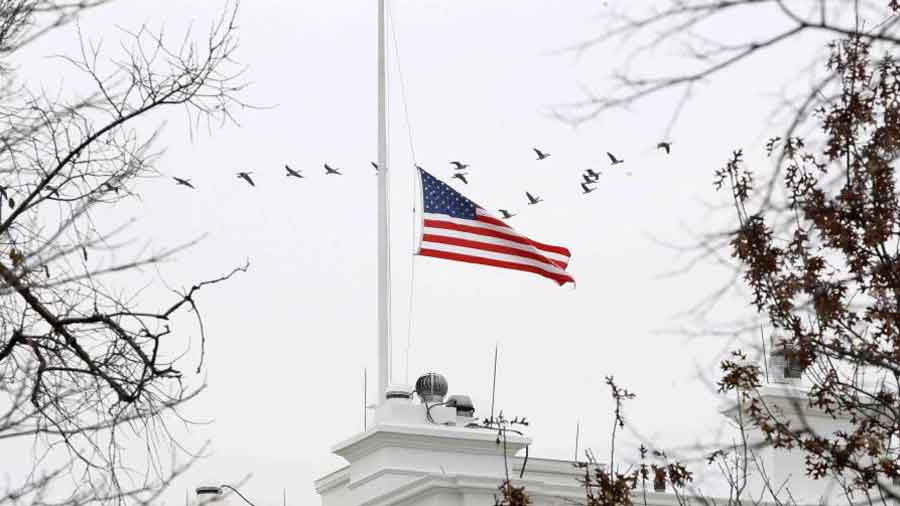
<point x="506" y="214"/>
<point x="329" y="170"/>
<point x="585" y="189"/>
<point x="183" y="182"/>
<point x="613" y="159"/>
<point x="459" y="165"/>
<point x="375" y="165"/>
<point x="588" y="179"/>
<point x="594" y="175"/>
<point x="461" y="176"/>
<point x="665" y="145"/>
<point x="540" y="154"/>
<point x="291" y="172"/>
<point x="246" y="177"/>
<point x="532" y="199"/>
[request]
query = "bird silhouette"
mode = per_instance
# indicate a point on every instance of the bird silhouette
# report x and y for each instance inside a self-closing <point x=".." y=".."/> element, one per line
<point x="613" y="159"/>
<point x="291" y="172"/>
<point x="506" y="214"/>
<point x="665" y="145"/>
<point x="540" y="154"/>
<point x="183" y="182"/>
<point x="533" y="199"/>
<point x="375" y="165"/>
<point x="246" y="177"/>
<point x="588" y="179"/>
<point x="585" y="189"/>
<point x="459" y="165"/>
<point x="329" y="170"/>
<point x="594" y="175"/>
<point x="461" y="176"/>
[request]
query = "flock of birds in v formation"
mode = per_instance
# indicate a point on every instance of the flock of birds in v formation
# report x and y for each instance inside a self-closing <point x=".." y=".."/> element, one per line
<point x="590" y="177"/>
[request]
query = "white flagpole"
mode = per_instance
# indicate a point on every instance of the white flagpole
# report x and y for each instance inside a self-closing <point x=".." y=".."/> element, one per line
<point x="384" y="257"/>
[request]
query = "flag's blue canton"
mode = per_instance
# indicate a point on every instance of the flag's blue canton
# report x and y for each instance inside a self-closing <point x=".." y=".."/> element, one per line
<point x="441" y="199"/>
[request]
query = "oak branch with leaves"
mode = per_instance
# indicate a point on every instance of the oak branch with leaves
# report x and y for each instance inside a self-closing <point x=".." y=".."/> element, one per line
<point x="829" y="285"/>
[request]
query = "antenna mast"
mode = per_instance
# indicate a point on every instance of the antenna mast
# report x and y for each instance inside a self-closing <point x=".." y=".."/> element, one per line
<point x="494" y="383"/>
<point x="384" y="257"/>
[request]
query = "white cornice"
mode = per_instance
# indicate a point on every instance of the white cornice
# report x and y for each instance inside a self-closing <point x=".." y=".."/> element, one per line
<point x="790" y="400"/>
<point x="434" y="483"/>
<point x="333" y="480"/>
<point x="548" y="466"/>
<point x="430" y="437"/>
<point x="424" y="485"/>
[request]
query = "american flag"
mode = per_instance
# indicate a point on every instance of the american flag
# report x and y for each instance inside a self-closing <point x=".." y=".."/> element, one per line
<point x="455" y="228"/>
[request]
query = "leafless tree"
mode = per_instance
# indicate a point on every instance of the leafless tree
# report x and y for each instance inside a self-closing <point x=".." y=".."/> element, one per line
<point x="667" y="50"/>
<point x="640" y="29"/>
<point x="85" y="367"/>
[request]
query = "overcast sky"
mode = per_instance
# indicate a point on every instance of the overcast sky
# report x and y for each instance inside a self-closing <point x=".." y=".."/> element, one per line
<point x="288" y="341"/>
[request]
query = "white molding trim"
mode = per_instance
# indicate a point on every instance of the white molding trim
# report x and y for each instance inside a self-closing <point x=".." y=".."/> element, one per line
<point x="333" y="480"/>
<point x="441" y="438"/>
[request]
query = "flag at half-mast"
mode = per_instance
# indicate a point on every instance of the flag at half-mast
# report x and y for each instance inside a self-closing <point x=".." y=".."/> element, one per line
<point x="455" y="228"/>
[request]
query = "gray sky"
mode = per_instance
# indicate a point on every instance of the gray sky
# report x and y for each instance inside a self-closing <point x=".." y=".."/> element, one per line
<point x="288" y="340"/>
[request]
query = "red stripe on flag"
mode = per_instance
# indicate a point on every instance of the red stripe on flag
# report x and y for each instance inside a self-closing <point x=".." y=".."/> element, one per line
<point x="539" y="245"/>
<point x="494" y="233"/>
<point x="466" y="243"/>
<point x="559" y="278"/>
<point x="493" y="221"/>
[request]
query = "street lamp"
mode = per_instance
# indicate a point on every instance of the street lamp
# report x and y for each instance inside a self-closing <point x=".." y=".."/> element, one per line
<point x="217" y="490"/>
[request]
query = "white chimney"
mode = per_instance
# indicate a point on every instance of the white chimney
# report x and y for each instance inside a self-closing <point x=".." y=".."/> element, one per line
<point x="785" y="469"/>
<point x="782" y="369"/>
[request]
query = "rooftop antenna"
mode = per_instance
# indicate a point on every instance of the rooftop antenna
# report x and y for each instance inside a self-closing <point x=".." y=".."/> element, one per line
<point x="365" y="398"/>
<point x="577" y="436"/>
<point x="384" y="247"/>
<point x="494" y="385"/>
<point x="762" y="338"/>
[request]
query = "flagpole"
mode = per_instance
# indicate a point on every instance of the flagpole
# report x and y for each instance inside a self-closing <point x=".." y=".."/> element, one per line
<point x="384" y="260"/>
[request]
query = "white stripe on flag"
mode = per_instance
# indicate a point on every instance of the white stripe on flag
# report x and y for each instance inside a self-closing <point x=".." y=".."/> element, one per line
<point x="462" y="250"/>
<point x="458" y="234"/>
<point x="471" y="223"/>
<point x="479" y="224"/>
